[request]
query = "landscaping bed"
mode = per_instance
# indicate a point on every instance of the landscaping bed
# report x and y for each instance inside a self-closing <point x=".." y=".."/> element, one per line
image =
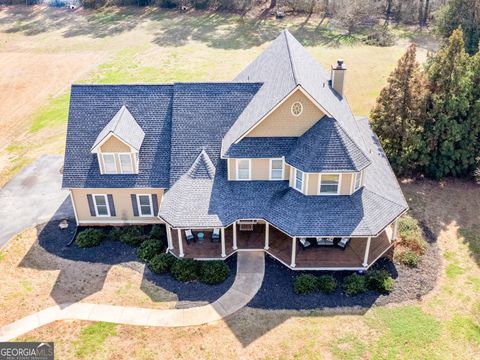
<point x="118" y="252"/>
<point x="409" y="283"/>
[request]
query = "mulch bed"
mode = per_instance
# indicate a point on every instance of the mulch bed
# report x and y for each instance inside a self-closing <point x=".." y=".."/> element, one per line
<point x="410" y="283"/>
<point x="111" y="252"/>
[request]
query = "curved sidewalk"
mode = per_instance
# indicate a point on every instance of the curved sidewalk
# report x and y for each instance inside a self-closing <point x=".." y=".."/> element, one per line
<point x="249" y="278"/>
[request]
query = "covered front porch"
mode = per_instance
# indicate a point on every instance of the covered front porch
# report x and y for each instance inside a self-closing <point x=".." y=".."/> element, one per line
<point x="359" y="253"/>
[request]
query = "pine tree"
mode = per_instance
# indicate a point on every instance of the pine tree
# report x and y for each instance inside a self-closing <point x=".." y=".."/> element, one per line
<point x="474" y="112"/>
<point x="398" y="115"/>
<point x="447" y="126"/>
<point x="464" y="13"/>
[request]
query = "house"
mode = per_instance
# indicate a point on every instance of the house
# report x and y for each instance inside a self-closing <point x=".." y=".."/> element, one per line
<point x="273" y="160"/>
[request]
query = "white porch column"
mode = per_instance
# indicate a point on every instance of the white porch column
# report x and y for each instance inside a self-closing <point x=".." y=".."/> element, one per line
<point x="367" y="251"/>
<point x="267" y="235"/>
<point x="223" y="242"/>
<point x="294" y="251"/>
<point x="395" y="230"/>
<point x="180" y="243"/>
<point x="234" y="227"/>
<point x="169" y="237"/>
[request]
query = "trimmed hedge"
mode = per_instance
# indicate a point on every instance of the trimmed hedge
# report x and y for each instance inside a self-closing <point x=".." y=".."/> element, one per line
<point x="213" y="272"/>
<point x="186" y="270"/>
<point x="89" y="238"/>
<point x="305" y="284"/>
<point x="380" y="281"/>
<point x="158" y="232"/>
<point x="132" y="235"/>
<point x="354" y="285"/>
<point x="114" y="233"/>
<point x="161" y="263"/>
<point x="149" y="248"/>
<point x="327" y="284"/>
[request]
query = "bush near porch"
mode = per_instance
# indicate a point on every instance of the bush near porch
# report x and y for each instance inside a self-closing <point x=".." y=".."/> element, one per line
<point x="411" y="244"/>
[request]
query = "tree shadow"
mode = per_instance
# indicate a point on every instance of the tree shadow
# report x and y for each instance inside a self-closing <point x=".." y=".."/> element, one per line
<point x="171" y="28"/>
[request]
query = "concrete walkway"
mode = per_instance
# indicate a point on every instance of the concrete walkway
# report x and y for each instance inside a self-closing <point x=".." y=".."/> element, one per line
<point x="33" y="196"/>
<point x="249" y="278"/>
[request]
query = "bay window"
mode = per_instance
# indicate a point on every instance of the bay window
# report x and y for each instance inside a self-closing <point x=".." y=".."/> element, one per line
<point x="299" y="178"/>
<point x="329" y="183"/>
<point x="276" y="169"/>
<point x="243" y="169"/>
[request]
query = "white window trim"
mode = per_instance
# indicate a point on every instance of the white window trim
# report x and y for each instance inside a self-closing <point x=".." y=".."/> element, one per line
<point x="271" y="169"/>
<point x="106" y="203"/>
<point x="295" y="180"/>
<point x="338" y="187"/>
<point x="237" y="165"/>
<point x="114" y="162"/>
<point x="140" y="207"/>
<point x="360" y="175"/>
<point x="131" y="162"/>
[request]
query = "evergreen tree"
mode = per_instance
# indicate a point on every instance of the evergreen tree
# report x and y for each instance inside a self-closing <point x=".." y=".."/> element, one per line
<point x="398" y="115"/>
<point x="448" y="128"/>
<point x="464" y="13"/>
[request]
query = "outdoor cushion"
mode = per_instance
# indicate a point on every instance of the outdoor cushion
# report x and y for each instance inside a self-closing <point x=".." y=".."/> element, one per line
<point x="343" y="243"/>
<point x="324" y="241"/>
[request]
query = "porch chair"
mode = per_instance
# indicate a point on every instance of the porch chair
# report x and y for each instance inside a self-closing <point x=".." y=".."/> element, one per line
<point x="325" y="241"/>
<point x="344" y="242"/>
<point x="189" y="236"/>
<point x="216" y="235"/>
<point x="305" y="243"/>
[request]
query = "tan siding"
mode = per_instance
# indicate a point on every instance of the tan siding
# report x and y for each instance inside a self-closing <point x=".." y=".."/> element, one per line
<point x="286" y="175"/>
<point x="114" y="145"/>
<point x="232" y="172"/>
<point x="260" y="169"/>
<point x="313" y="184"/>
<point x="281" y="122"/>
<point x="345" y="186"/>
<point x="122" y="201"/>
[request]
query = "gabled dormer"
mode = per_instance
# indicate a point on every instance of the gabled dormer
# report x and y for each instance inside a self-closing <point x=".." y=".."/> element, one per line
<point x="118" y="144"/>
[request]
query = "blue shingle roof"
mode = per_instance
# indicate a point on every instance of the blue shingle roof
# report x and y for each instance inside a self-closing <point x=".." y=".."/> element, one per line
<point x="261" y="147"/>
<point x="92" y="107"/>
<point x="326" y="147"/>
<point x="202" y="114"/>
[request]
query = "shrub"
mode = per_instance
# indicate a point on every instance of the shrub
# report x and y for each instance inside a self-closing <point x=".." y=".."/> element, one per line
<point x="327" y="284"/>
<point x="200" y="4"/>
<point x="409" y="258"/>
<point x="168" y="4"/>
<point x="185" y="270"/>
<point x="380" y="281"/>
<point x="114" y="233"/>
<point x="161" y="263"/>
<point x="354" y="285"/>
<point x="411" y="235"/>
<point x="158" y="232"/>
<point x="88" y="238"/>
<point x="305" y="284"/>
<point x="380" y="36"/>
<point x="132" y="235"/>
<point x="148" y="249"/>
<point x="214" y="272"/>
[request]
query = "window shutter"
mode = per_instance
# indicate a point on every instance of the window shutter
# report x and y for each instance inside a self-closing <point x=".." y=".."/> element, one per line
<point x="111" y="205"/>
<point x="134" y="204"/>
<point x="155" y="204"/>
<point x="91" y="205"/>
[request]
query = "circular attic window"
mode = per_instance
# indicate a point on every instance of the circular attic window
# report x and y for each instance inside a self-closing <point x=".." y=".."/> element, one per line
<point x="297" y="108"/>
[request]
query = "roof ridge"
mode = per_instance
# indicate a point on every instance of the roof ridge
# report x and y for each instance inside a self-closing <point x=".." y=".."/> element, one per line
<point x="294" y="73"/>
<point x="353" y="142"/>
<point x="122" y="109"/>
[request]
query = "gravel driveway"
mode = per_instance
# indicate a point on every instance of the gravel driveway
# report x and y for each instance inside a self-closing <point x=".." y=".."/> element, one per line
<point x="33" y="196"/>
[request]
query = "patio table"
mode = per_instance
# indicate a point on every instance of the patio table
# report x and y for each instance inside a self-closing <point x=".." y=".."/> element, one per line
<point x="200" y="236"/>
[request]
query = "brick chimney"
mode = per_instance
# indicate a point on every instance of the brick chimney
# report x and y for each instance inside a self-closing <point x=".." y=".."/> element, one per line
<point x="338" y="76"/>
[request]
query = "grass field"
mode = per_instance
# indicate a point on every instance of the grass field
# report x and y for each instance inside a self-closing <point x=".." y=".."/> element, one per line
<point x="445" y="324"/>
<point x="44" y="50"/>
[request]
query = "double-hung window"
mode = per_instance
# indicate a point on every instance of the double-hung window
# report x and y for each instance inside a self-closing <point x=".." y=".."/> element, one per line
<point x="101" y="205"/>
<point x="299" y="177"/>
<point x="329" y="183"/>
<point x="276" y="169"/>
<point x="126" y="164"/>
<point x="109" y="166"/>
<point x="145" y="207"/>
<point x="358" y="181"/>
<point x="243" y="169"/>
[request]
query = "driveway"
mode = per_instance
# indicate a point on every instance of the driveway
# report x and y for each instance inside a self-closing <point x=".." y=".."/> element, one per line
<point x="33" y="197"/>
